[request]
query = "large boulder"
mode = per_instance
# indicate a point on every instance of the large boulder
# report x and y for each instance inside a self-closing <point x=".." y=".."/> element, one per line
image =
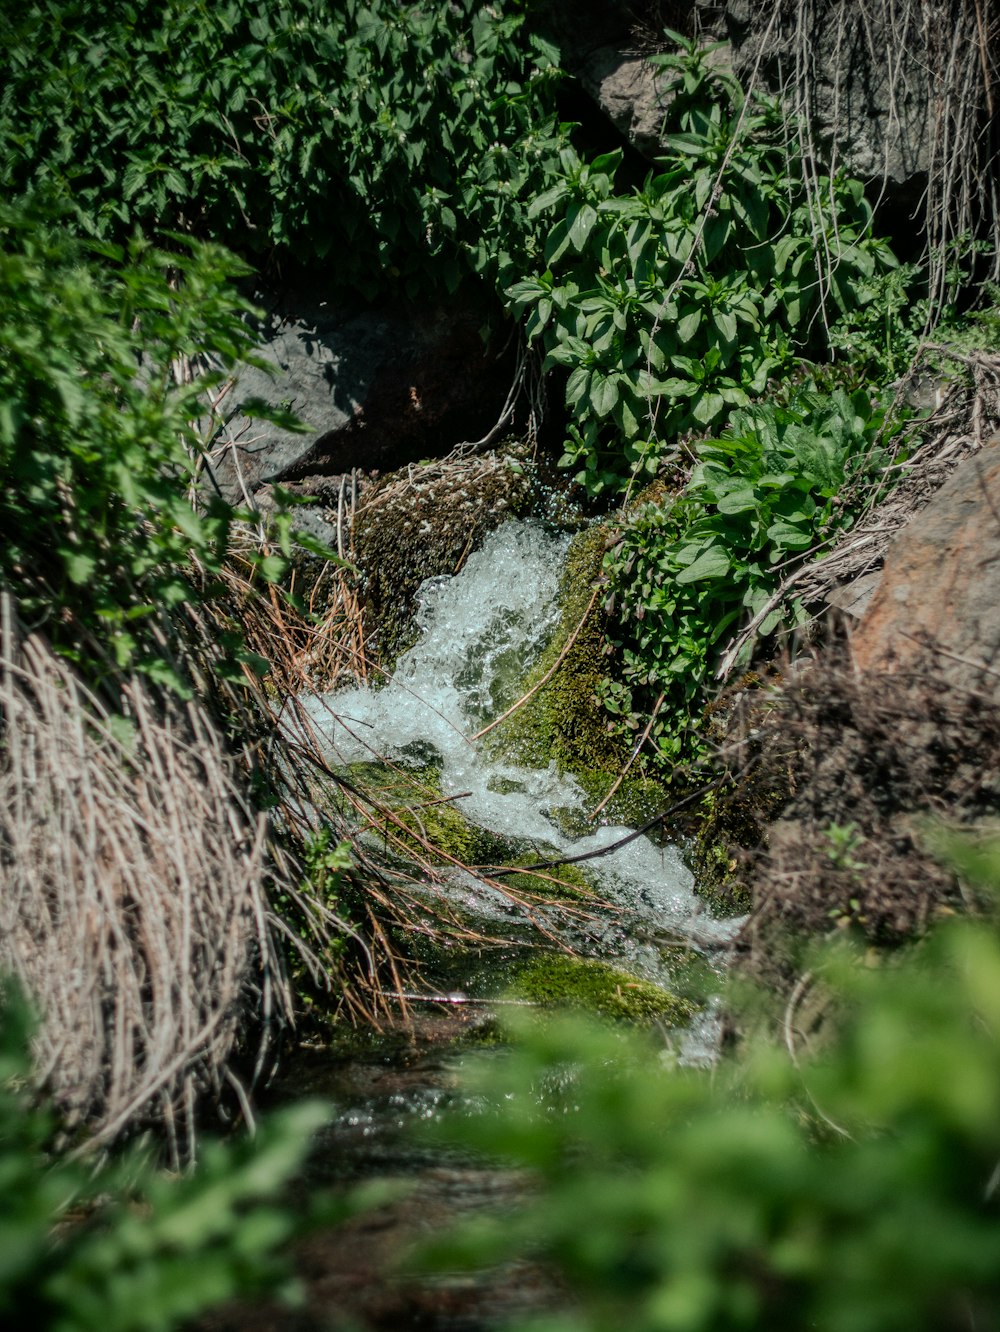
<point x="376" y="387"/>
<point x="878" y="82"/>
<point x="938" y="602"/>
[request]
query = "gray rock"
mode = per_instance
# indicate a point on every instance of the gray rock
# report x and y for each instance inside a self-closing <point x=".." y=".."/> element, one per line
<point x="376" y="388"/>
<point x="869" y="89"/>
<point x="629" y="91"/>
<point x="872" y="73"/>
<point x="854" y="598"/>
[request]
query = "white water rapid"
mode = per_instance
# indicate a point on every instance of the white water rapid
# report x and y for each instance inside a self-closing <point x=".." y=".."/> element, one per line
<point x="480" y="631"/>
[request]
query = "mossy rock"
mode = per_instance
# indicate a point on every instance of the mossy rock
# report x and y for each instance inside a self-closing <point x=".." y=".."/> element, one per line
<point x="596" y="987"/>
<point x="732" y="822"/>
<point x="563" y="722"/>
<point x="422" y="522"/>
<point x="414" y="798"/>
<point x="636" y="801"/>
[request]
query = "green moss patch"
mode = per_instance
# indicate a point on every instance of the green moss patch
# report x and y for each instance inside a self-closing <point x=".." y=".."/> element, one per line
<point x="585" y="983"/>
<point x="563" y="721"/>
<point x="565" y="882"/>
<point x="412" y="797"/>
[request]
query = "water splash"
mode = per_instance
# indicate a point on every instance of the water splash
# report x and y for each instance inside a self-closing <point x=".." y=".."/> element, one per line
<point x="480" y="631"/>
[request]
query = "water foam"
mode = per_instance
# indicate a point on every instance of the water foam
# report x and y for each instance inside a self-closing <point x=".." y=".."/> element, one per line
<point x="479" y="632"/>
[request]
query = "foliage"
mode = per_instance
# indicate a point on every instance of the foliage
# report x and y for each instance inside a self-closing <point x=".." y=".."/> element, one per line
<point x="882" y="337"/>
<point x="852" y="1189"/>
<point x="128" y="1249"/>
<point x="766" y="494"/>
<point x="378" y="133"/>
<point x="99" y="441"/>
<point x="676" y="303"/>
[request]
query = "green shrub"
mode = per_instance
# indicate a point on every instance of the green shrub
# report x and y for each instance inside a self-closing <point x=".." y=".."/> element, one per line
<point x="376" y="134"/>
<point x="100" y="444"/>
<point x="672" y="305"/>
<point x="852" y="1189"/>
<point x="126" y="1248"/>
<point x="689" y="572"/>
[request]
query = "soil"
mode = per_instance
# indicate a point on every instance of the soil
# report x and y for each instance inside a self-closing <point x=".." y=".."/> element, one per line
<point x="854" y="774"/>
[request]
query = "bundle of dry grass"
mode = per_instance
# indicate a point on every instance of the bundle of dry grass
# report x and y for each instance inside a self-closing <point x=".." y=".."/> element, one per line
<point x="131" y="894"/>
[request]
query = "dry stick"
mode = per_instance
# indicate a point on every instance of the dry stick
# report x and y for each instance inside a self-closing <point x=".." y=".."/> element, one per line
<point x="525" y="698"/>
<point x="631" y="759"/>
<point x="802" y="987"/>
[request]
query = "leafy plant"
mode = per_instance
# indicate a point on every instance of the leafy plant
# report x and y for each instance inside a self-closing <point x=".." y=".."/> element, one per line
<point x="99" y="437"/>
<point x="852" y="1189"/>
<point x="126" y="1248"/>
<point x="763" y="496"/>
<point x="673" y="305"/>
<point x="380" y="134"/>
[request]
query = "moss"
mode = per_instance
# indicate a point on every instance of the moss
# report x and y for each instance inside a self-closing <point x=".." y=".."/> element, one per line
<point x="636" y="801"/>
<point x="567" y="882"/>
<point x="563" y="721"/>
<point x="574" y="982"/>
<point x="414" y="798"/>
<point x="731" y="823"/>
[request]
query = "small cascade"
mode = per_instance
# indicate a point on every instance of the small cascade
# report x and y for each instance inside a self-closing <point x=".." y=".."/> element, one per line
<point x="480" y="632"/>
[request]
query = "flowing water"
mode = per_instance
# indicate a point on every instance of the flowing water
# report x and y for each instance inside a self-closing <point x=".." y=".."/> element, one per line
<point x="480" y="631"/>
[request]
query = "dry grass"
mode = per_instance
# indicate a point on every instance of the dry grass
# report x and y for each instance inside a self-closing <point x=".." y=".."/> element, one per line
<point x="132" y="902"/>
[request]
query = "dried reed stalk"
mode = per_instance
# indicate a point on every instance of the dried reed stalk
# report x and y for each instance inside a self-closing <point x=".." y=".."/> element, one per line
<point x="131" y="894"/>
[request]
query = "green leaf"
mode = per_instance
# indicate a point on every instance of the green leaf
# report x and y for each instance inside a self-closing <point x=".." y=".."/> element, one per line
<point x="603" y="394"/>
<point x="577" y="386"/>
<point x="688" y="326"/>
<point x="581" y="224"/>
<point x="726" y="325"/>
<point x="80" y="565"/>
<point x="713" y="564"/>
<point x="738" y="501"/>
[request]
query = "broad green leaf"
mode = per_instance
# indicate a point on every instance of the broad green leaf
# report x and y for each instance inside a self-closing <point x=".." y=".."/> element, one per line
<point x="712" y="564"/>
<point x="738" y="501"/>
<point x="688" y="325"/>
<point x="603" y="393"/>
<point x="581" y="225"/>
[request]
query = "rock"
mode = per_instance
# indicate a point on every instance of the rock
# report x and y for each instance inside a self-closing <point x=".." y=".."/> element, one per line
<point x="854" y="598"/>
<point x="629" y="91"/>
<point x="873" y="115"/>
<point x="377" y="388"/>
<point x="940" y="587"/>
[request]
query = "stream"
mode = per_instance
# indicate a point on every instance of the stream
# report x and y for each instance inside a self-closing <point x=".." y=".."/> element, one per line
<point x="480" y="631"/>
